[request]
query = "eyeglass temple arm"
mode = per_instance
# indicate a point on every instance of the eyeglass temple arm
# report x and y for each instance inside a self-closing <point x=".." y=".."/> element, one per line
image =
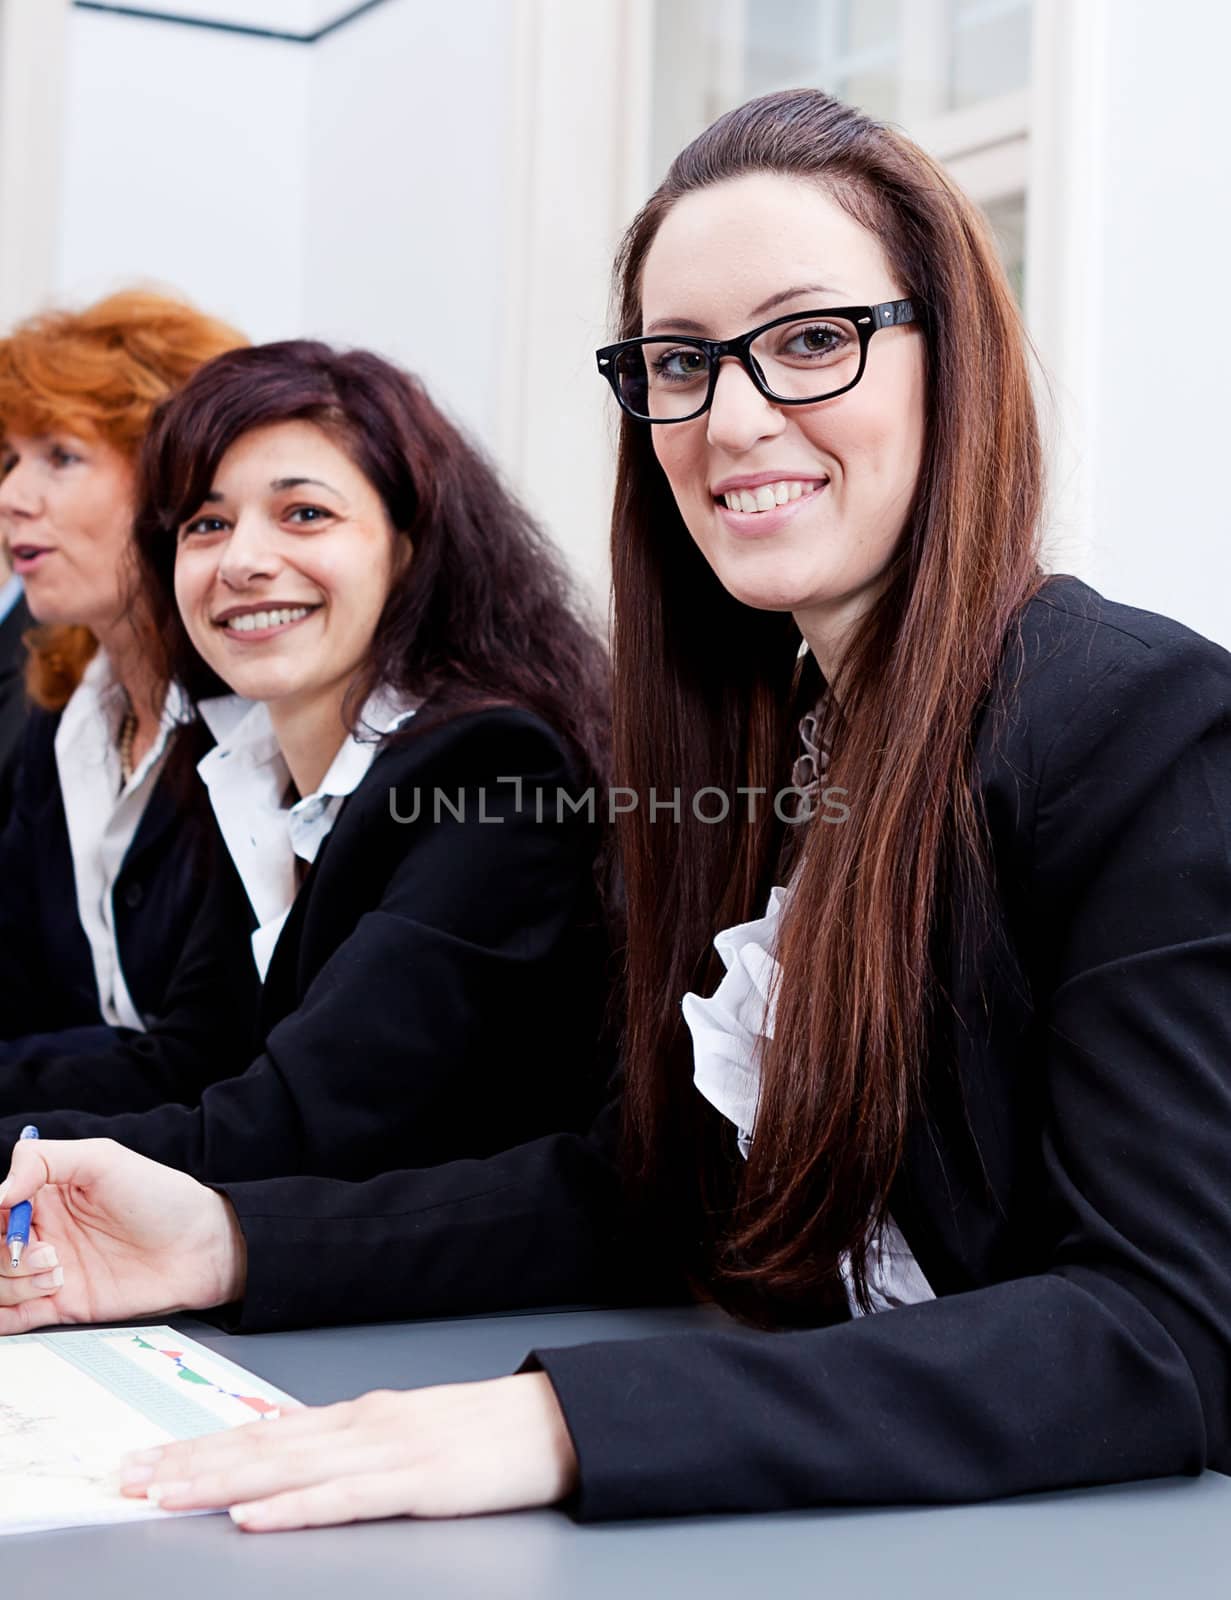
<point x="892" y="312"/>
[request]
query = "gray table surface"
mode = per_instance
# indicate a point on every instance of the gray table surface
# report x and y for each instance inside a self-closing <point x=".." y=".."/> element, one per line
<point x="1168" y="1538"/>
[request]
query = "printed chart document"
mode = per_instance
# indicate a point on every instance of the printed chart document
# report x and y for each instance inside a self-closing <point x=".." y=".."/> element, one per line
<point x="73" y="1402"/>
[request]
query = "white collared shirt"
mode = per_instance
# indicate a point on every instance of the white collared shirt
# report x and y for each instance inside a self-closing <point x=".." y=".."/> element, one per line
<point x="103" y="813"/>
<point x="11" y="591"/>
<point x="729" y="1030"/>
<point x="248" y="778"/>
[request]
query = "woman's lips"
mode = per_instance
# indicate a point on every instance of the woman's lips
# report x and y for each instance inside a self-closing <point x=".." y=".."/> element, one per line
<point x="28" y="558"/>
<point x="257" y="635"/>
<point x="759" y="524"/>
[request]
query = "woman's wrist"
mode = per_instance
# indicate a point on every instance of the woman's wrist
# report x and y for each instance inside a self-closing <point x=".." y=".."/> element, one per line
<point x="227" y="1253"/>
<point x="563" y="1453"/>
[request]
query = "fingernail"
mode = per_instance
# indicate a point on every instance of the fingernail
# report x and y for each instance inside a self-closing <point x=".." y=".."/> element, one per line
<point x="244" y="1512"/>
<point x="158" y="1492"/>
<point x="138" y="1458"/>
<point x="44" y="1256"/>
<point x="134" y="1477"/>
<point x="49" y="1280"/>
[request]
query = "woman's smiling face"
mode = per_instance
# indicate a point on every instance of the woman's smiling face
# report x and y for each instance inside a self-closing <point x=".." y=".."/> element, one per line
<point x="726" y="259"/>
<point x="282" y="575"/>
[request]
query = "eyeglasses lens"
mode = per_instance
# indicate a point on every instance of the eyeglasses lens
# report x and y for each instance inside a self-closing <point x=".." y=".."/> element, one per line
<point x="808" y="359"/>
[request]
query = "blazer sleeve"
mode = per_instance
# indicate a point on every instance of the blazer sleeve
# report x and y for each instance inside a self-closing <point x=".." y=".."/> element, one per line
<point x="538" y="1225"/>
<point x="1111" y="1360"/>
<point x="423" y="1014"/>
<point x="206" y="1029"/>
<point x="23" y="983"/>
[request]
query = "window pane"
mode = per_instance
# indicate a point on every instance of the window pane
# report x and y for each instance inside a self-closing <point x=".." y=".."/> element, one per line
<point x="710" y="55"/>
<point x="865" y="47"/>
<point x="1008" y="220"/>
<point x="872" y="91"/>
<point x="782" y="44"/>
<point x="989" y="49"/>
<point x="870" y="24"/>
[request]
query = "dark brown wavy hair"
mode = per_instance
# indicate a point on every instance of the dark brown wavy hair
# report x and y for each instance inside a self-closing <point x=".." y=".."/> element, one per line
<point x="484" y="615"/>
<point x="708" y="691"/>
<point x="99" y="372"/>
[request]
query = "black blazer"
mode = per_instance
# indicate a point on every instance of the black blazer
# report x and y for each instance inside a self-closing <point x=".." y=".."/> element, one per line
<point x="182" y="925"/>
<point x="439" y="987"/>
<point x="13" y="702"/>
<point x="1081" y="1255"/>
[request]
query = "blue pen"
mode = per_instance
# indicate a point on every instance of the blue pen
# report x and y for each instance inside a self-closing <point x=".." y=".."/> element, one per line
<point x="19" y="1219"/>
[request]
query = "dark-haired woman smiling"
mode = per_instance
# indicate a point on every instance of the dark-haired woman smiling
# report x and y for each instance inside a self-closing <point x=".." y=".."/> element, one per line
<point x="403" y="698"/>
<point x="968" y="1065"/>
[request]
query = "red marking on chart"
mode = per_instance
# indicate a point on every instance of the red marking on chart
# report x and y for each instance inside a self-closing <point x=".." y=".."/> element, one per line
<point x="263" y="1408"/>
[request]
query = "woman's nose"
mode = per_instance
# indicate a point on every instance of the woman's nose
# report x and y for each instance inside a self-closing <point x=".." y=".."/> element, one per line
<point x="739" y="413"/>
<point x="248" y="554"/>
<point x="19" y="494"/>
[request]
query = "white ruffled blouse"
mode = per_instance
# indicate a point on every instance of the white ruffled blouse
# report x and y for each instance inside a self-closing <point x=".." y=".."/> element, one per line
<point x="728" y="1032"/>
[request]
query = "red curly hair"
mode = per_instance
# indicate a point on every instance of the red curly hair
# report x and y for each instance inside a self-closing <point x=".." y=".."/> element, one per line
<point x="98" y="373"/>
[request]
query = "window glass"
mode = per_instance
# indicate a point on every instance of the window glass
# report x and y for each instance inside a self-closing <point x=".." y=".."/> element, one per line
<point x="1008" y="219"/>
<point x="989" y="49"/>
<point x="932" y="59"/>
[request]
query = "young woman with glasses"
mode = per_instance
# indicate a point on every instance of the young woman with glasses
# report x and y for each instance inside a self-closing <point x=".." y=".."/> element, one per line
<point x="940" y="1031"/>
<point x="405" y="704"/>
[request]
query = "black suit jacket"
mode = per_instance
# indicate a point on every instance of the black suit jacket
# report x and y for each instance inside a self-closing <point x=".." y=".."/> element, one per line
<point x="439" y="987"/>
<point x="182" y="926"/>
<point x="13" y="702"/>
<point x="1081" y="1257"/>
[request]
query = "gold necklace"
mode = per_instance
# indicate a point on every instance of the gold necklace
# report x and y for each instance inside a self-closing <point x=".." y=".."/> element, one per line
<point x="127" y="739"/>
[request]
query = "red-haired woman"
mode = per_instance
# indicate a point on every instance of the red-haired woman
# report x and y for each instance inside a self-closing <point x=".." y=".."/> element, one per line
<point x="409" y="713"/>
<point x="968" y="1069"/>
<point x="121" y="926"/>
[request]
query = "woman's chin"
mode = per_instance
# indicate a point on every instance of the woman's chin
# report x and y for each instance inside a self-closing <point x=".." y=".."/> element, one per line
<point x="767" y="581"/>
<point x="49" y="611"/>
<point x="256" y="682"/>
<point x="771" y="594"/>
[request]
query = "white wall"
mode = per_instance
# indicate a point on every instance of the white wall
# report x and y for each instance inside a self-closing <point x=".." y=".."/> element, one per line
<point x="442" y="182"/>
<point x="1129" y="235"/>
<point x="31" y="129"/>
<point x="405" y="227"/>
<point x="183" y="166"/>
<point x="1160" y="490"/>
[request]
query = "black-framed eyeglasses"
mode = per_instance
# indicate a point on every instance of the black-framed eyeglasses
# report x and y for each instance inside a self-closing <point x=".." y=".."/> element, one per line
<point x="794" y="360"/>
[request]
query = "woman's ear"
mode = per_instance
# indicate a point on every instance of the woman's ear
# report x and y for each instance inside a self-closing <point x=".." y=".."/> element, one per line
<point x="403" y="552"/>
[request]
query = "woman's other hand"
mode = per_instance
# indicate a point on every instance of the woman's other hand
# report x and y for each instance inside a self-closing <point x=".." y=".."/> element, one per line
<point x="115" y="1235"/>
<point x="444" y="1452"/>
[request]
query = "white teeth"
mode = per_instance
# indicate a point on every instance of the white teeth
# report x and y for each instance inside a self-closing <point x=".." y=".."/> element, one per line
<point x="769" y="495"/>
<point x="251" y="621"/>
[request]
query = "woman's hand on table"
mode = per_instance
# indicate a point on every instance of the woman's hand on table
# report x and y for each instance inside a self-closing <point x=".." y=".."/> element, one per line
<point x="445" y="1452"/>
<point x="115" y="1235"/>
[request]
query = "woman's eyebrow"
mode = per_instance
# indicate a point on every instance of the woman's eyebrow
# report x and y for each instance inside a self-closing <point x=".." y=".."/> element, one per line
<point x="776" y="300"/>
<point x="675" y="324"/>
<point x="686" y="325"/>
<point x="278" y="484"/>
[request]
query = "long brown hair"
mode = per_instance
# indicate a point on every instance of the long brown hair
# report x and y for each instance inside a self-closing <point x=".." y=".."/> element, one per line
<point x="484" y="614"/>
<point x="99" y="373"/>
<point x="844" y="1072"/>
